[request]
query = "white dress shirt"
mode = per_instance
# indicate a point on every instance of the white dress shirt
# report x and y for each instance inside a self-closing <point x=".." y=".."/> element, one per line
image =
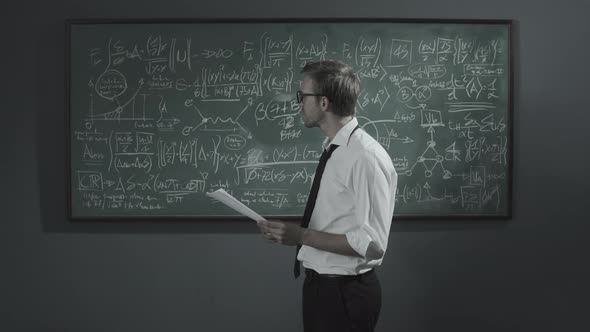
<point x="356" y="198"/>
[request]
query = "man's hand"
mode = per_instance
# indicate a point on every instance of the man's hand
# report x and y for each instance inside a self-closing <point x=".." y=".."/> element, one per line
<point x="289" y="234"/>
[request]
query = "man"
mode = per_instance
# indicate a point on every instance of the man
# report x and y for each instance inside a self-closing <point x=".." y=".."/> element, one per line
<point x="346" y="231"/>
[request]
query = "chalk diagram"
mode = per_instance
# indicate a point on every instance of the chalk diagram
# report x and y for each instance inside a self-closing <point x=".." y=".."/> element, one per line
<point x="421" y="94"/>
<point x="380" y="130"/>
<point x="217" y="123"/>
<point x="430" y="157"/>
<point x="111" y="86"/>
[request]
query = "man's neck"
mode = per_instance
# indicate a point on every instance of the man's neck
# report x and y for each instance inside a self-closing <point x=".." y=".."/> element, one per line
<point x="333" y="124"/>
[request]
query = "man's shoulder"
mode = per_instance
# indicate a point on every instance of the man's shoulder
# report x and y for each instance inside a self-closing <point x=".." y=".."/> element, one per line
<point x="366" y="143"/>
<point x="366" y="147"/>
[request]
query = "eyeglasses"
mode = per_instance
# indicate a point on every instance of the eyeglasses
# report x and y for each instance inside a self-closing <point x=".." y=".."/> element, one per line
<point x="301" y="95"/>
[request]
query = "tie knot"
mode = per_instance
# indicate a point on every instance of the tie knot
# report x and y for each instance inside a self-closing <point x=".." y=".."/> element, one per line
<point x="326" y="155"/>
<point x="331" y="148"/>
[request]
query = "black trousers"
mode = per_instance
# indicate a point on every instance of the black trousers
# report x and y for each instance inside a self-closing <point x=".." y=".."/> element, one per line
<point x="341" y="303"/>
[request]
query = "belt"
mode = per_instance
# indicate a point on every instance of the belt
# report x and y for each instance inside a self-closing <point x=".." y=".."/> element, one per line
<point x="312" y="274"/>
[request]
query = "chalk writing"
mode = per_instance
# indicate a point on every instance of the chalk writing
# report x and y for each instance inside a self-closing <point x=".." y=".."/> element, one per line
<point x="161" y="114"/>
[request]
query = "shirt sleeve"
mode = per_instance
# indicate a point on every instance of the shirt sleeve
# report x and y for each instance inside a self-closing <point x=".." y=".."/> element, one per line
<point x="374" y="183"/>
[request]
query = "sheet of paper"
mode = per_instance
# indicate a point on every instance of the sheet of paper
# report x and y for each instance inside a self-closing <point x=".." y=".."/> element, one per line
<point x="227" y="199"/>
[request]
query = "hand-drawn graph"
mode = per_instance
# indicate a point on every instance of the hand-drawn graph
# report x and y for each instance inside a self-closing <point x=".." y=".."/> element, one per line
<point x="162" y="113"/>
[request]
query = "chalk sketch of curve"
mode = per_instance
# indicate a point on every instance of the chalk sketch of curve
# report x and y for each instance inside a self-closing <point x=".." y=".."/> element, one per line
<point x="218" y="123"/>
<point x="379" y="130"/>
<point x="110" y="85"/>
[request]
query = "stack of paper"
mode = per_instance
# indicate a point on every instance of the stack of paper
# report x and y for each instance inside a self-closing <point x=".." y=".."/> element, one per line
<point x="227" y="199"/>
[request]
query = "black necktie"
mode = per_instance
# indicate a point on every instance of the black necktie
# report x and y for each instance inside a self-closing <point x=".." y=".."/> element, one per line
<point x="313" y="194"/>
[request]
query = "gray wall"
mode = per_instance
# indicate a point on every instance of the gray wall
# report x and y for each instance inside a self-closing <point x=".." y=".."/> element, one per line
<point x="526" y="274"/>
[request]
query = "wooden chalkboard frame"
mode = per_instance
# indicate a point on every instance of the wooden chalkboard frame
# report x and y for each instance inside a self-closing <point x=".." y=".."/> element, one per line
<point x="508" y="23"/>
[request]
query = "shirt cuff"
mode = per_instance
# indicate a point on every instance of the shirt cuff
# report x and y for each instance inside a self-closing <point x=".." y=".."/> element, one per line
<point x="359" y="241"/>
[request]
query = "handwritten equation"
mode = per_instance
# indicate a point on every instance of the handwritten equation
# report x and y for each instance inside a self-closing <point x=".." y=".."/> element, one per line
<point x="162" y="114"/>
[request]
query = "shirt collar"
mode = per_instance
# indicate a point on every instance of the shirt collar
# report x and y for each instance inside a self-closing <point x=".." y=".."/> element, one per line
<point x="343" y="135"/>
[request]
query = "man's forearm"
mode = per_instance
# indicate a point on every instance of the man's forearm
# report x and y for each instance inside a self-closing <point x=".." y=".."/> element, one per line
<point x="334" y="243"/>
<point x="337" y="244"/>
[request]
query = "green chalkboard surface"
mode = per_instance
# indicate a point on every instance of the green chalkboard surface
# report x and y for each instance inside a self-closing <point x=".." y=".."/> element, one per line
<point x="162" y="112"/>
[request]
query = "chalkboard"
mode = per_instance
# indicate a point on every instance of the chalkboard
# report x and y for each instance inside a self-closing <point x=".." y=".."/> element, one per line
<point x="161" y="112"/>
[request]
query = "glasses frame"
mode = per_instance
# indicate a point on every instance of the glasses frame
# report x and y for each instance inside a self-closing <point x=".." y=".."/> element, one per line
<point x="301" y="95"/>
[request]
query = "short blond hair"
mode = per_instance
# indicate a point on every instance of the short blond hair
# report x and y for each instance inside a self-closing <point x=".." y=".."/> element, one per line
<point x="336" y="81"/>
